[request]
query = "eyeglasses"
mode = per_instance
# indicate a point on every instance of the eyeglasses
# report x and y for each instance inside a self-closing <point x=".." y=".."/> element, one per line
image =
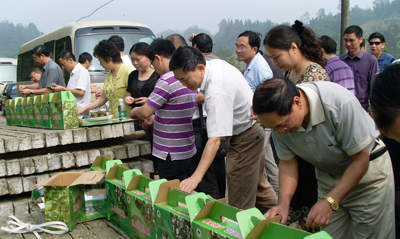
<point x="377" y="43"/>
<point x="240" y="48"/>
<point x="33" y="78"/>
<point x="280" y="128"/>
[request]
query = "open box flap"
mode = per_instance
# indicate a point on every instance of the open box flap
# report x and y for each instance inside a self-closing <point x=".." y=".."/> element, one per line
<point x="45" y="98"/>
<point x="134" y="182"/>
<point x="60" y="179"/>
<point x="112" y="163"/>
<point x="112" y="172"/>
<point x="252" y="222"/>
<point x="195" y="203"/>
<point x="161" y="185"/>
<point x="129" y="174"/>
<point x="91" y="177"/>
<point x="38" y="99"/>
<point x="319" y="235"/>
<point x="101" y="160"/>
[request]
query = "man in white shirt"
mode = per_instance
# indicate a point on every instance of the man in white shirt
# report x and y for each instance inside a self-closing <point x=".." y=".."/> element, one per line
<point x="79" y="79"/>
<point x="228" y="99"/>
<point x="119" y="42"/>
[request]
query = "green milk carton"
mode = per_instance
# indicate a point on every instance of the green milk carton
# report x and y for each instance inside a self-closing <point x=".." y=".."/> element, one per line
<point x="38" y="113"/>
<point x="64" y="196"/>
<point x="214" y="220"/>
<point x="171" y="213"/>
<point x="116" y="199"/>
<point x="7" y="109"/>
<point x="18" y="111"/>
<point x="24" y="111"/>
<point x="98" y="193"/>
<point x="45" y="110"/>
<point x="31" y="111"/>
<point x="64" y="111"/>
<point x="140" y="207"/>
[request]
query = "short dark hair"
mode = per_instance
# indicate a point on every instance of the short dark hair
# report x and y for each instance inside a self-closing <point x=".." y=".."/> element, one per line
<point x="203" y="42"/>
<point x="107" y="50"/>
<point x="254" y="38"/>
<point x="385" y="96"/>
<point x="161" y="47"/>
<point x="177" y="39"/>
<point x="362" y="44"/>
<point x="328" y="44"/>
<point x="35" y="69"/>
<point x="377" y="35"/>
<point x="85" y="56"/>
<point x="39" y="50"/>
<point x="140" y="48"/>
<point x="354" y="29"/>
<point x="66" y="55"/>
<point x="282" y="37"/>
<point x="186" y="58"/>
<point x="275" y="95"/>
<point x="118" y="41"/>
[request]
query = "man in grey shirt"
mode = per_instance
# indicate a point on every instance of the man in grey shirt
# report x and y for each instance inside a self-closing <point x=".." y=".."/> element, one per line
<point x="52" y="73"/>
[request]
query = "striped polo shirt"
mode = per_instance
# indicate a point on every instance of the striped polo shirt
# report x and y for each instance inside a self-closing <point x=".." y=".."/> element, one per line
<point x="173" y="131"/>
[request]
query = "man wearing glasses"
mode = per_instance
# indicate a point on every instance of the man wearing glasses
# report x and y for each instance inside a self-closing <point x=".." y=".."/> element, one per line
<point x="52" y="73"/>
<point x="35" y="73"/>
<point x="364" y="65"/>
<point x="376" y="45"/>
<point x="256" y="71"/>
<point x="228" y="102"/>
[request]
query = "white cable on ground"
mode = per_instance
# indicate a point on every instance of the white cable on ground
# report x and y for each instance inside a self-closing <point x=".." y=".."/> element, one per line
<point x="16" y="226"/>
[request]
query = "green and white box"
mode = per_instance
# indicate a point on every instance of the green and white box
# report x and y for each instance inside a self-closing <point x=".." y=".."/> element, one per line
<point x="64" y="196"/>
<point x="64" y="111"/>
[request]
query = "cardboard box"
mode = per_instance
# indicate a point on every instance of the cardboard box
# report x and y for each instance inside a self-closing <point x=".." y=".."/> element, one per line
<point x="140" y="207"/>
<point x="171" y="212"/>
<point x="98" y="192"/>
<point x="214" y="220"/>
<point x="7" y="109"/>
<point x="64" y="111"/>
<point x="38" y="114"/>
<point x="18" y="109"/>
<point x="45" y="111"/>
<point x="253" y="225"/>
<point x="24" y="112"/>
<point x="31" y="111"/>
<point x="64" y="196"/>
<point x="116" y="199"/>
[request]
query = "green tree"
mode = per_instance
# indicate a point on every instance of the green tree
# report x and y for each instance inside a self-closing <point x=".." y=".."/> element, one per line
<point x="13" y="36"/>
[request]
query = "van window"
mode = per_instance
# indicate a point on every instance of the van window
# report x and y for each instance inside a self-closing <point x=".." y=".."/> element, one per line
<point x="8" y="73"/>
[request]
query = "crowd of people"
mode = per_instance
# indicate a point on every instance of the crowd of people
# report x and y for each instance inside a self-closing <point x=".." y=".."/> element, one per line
<point x="293" y="134"/>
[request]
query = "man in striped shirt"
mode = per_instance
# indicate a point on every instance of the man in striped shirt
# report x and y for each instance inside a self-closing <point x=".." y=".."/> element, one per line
<point x="338" y="71"/>
<point x="173" y="106"/>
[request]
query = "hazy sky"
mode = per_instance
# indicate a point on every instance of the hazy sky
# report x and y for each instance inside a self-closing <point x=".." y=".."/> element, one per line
<point x="160" y="15"/>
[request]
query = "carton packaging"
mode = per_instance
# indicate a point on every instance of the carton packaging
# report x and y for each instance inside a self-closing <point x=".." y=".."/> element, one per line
<point x="14" y="110"/>
<point x="64" y="196"/>
<point x="38" y="114"/>
<point x="7" y="109"/>
<point x="170" y="209"/>
<point x="98" y="193"/>
<point x="140" y="207"/>
<point x="64" y="111"/>
<point x="214" y="220"/>
<point x="24" y="112"/>
<point x="18" y="109"/>
<point x="116" y="199"/>
<point x="45" y="111"/>
<point x="31" y="111"/>
<point x="253" y="225"/>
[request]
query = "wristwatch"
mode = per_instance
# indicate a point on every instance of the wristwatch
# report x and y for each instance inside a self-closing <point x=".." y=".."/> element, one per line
<point x="334" y="204"/>
<point x="31" y="92"/>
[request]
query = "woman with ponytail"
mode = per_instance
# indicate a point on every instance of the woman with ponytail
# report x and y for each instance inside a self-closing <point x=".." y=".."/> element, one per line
<point x="295" y="50"/>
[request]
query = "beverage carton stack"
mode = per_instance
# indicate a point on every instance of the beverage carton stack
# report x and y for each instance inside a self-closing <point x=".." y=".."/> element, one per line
<point x="146" y="208"/>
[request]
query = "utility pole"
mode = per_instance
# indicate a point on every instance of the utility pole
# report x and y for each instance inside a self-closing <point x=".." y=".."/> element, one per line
<point x="344" y="23"/>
